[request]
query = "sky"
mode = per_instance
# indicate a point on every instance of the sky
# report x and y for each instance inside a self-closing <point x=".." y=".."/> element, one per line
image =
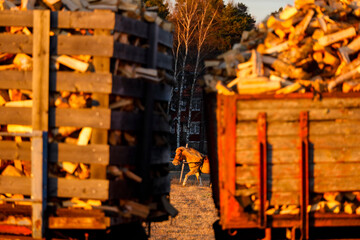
<point x="261" y="8"/>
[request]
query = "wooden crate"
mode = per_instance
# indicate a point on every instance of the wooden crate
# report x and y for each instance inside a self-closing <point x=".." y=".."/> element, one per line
<point x="100" y="83"/>
<point x="234" y="137"/>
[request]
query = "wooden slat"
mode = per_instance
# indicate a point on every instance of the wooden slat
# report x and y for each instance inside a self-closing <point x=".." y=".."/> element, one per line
<point x="130" y="53"/>
<point x="15" y="80"/>
<point x="273" y="156"/>
<point x="86" y="223"/>
<point x="165" y="38"/>
<point x="131" y="26"/>
<point x="124" y="155"/>
<point x="293" y="114"/>
<point x="319" y="184"/>
<point x="16" y="18"/>
<point x="292" y="142"/>
<point x="82" y="45"/>
<point x="15" y="185"/>
<point x="100" y="136"/>
<point x="337" y="155"/>
<point x="96" y="118"/>
<point x="331" y="184"/>
<point x="135" y="88"/>
<point x="92" y="20"/>
<point x="245" y="129"/>
<point x="40" y="109"/>
<point x="318" y="170"/>
<point x="250" y="143"/>
<point x="16" y="43"/>
<point x="94" y="153"/>
<point x="80" y="82"/>
<point x="281" y="198"/>
<point x="278" y="156"/>
<point x="164" y="61"/>
<point x="130" y="122"/>
<point x="11" y="150"/>
<point x="298" y="103"/>
<point x="88" y="189"/>
<point x="15" y="115"/>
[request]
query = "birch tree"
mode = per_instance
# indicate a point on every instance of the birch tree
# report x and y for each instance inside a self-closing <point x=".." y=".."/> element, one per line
<point x="184" y="19"/>
<point x="205" y="20"/>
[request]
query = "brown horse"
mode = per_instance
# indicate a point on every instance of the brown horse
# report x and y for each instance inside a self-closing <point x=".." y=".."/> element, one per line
<point x="198" y="163"/>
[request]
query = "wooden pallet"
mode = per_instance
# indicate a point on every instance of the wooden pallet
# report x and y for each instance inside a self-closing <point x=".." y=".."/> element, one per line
<point x="101" y="83"/>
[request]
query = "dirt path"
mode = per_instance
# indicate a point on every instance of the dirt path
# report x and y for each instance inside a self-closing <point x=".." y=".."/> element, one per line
<point x="197" y="212"/>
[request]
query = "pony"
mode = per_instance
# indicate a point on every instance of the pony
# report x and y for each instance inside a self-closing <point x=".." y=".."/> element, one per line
<point x="198" y="163"/>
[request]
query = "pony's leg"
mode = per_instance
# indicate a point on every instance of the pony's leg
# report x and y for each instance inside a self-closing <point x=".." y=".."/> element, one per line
<point x="192" y="172"/>
<point x="186" y="178"/>
<point x="198" y="176"/>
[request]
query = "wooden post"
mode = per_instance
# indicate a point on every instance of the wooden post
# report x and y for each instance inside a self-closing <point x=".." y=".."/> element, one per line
<point x="144" y="162"/>
<point x="40" y="86"/>
<point x="102" y="65"/>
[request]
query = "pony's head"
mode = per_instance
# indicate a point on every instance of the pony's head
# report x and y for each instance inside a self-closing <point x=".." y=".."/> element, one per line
<point x="178" y="156"/>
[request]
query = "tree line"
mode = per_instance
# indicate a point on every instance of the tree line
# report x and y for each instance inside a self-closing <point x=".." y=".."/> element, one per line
<point x="203" y="29"/>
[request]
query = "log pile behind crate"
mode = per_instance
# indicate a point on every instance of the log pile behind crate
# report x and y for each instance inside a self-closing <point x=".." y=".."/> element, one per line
<point x="312" y="46"/>
<point x="127" y="8"/>
<point x="86" y="98"/>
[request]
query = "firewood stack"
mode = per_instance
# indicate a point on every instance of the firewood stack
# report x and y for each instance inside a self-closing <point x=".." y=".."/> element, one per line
<point x="331" y="202"/>
<point x="311" y="47"/>
<point x="81" y="100"/>
<point x="128" y="8"/>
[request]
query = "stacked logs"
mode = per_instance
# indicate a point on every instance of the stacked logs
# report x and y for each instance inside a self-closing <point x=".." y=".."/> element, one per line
<point x="77" y="100"/>
<point x="311" y="47"/>
<point x="128" y="8"/>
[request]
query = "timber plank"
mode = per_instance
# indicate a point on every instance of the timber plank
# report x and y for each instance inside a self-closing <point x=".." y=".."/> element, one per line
<point x="318" y="170"/>
<point x="278" y="156"/>
<point x="164" y="61"/>
<point x="80" y="82"/>
<point x="293" y="142"/>
<point x="88" y="189"/>
<point x="299" y="103"/>
<point x="133" y="87"/>
<point x="246" y="129"/>
<point x="82" y="45"/>
<point x="102" y="65"/>
<point x="131" y="26"/>
<point x="319" y="184"/>
<point x="15" y="185"/>
<point x="96" y="118"/>
<point x="15" y="115"/>
<point x="130" y="122"/>
<point x="274" y="156"/>
<point x="92" y="223"/>
<point x="91" y="154"/>
<point x="293" y="114"/>
<point x="130" y="53"/>
<point x="274" y="142"/>
<point x="165" y="38"/>
<point x="16" y="43"/>
<point x="16" y="18"/>
<point x="92" y="20"/>
<point x="11" y="150"/>
<point x="11" y="79"/>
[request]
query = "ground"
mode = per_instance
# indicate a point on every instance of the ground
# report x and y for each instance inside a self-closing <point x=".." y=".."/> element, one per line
<point x="196" y="209"/>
